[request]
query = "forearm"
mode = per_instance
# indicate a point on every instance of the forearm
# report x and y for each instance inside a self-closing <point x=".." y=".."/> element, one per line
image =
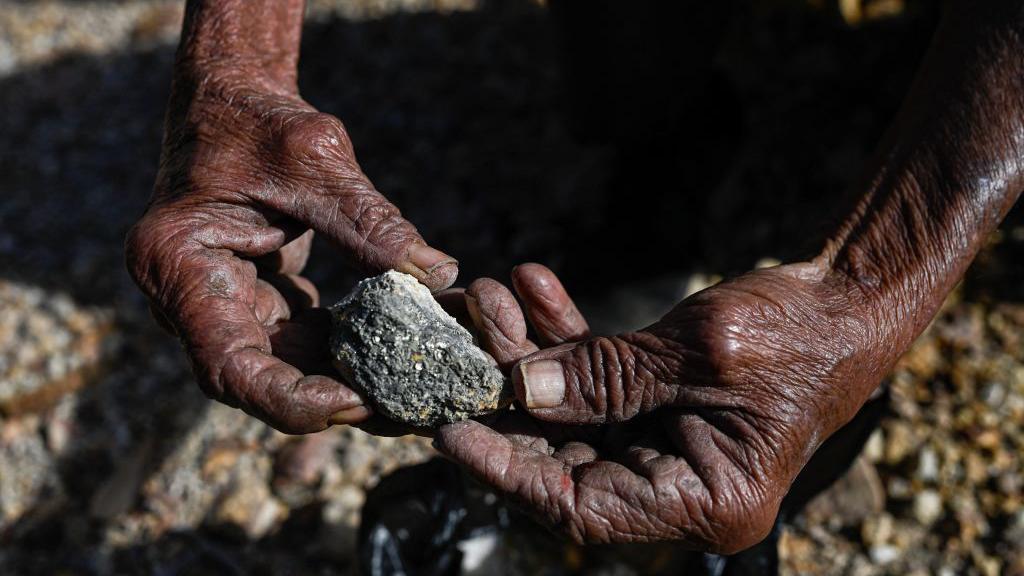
<point x="258" y="38"/>
<point x="233" y="54"/>
<point x="946" y="174"/>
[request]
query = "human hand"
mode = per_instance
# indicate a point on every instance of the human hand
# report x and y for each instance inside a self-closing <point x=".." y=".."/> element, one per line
<point x="248" y="172"/>
<point x="692" y="429"/>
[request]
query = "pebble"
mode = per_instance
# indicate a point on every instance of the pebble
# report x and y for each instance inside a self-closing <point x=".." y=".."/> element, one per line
<point x="927" y="465"/>
<point x="410" y="358"/>
<point x="885" y="554"/>
<point x="927" y="506"/>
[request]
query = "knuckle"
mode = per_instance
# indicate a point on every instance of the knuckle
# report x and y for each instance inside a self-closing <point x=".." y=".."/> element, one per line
<point x="313" y="136"/>
<point x="150" y="249"/>
<point x="604" y="377"/>
<point x="379" y="221"/>
<point x="210" y="379"/>
<point x="212" y="389"/>
<point x="654" y="370"/>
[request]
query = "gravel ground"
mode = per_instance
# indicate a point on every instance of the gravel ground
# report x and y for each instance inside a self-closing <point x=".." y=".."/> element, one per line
<point x="111" y="461"/>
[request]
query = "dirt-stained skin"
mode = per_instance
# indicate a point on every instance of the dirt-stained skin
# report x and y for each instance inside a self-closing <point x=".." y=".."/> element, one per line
<point x="691" y="429"/>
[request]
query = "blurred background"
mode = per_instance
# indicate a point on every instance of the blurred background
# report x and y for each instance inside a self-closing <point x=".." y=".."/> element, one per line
<point x="643" y="151"/>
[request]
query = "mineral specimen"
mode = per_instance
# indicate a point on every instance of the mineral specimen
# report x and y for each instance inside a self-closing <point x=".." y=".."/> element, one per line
<point x="413" y="361"/>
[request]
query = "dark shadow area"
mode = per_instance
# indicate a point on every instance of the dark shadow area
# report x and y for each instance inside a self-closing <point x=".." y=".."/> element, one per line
<point x="637" y="164"/>
<point x="643" y="163"/>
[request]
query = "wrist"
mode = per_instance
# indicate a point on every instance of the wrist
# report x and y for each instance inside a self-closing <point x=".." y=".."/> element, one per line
<point x="230" y="82"/>
<point x="912" y="237"/>
<point x="246" y="39"/>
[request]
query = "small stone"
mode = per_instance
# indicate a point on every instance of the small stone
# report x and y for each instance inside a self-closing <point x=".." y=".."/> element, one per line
<point x="857" y="495"/>
<point x="119" y="491"/>
<point x="250" y="510"/>
<point x="927" y="506"/>
<point x="877" y="530"/>
<point x="927" y="465"/>
<point x="993" y="394"/>
<point x="339" y="524"/>
<point x="900" y="443"/>
<point x="988" y="565"/>
<point x="898" y="488"/>
<point x="874" y="449"/>
<point x="989" y="439"/>
<point x="1010" y="483"/>
<point x="884" y="554"/>
<point x="304" y="459"/>
<point x="300" y="466"/>
<point x="413" y="361"/>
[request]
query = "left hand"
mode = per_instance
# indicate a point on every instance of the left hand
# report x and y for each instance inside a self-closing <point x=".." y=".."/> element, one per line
<point x="692" y="429"/>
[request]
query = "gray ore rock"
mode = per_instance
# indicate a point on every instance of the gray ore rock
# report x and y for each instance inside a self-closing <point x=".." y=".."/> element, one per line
<point x="411" y="359"/>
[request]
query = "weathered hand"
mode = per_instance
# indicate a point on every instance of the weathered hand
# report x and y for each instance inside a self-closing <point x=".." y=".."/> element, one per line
<point x="691" y="429"/>
<point x="248" y="172"/>
<point x="694" y="428"/>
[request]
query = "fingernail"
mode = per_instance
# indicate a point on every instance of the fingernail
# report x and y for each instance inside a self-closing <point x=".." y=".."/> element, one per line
<point x="430" y="266"/>
<point x="353" y="415"/>
<point x="428" y="259"/>
<point x="544" y="383"/>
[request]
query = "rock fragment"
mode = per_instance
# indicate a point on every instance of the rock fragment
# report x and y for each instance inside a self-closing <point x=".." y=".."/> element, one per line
<point x="412" y="360"/>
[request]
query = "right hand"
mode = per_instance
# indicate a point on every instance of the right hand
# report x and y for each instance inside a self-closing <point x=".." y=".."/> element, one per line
<point x="248" y="172"/>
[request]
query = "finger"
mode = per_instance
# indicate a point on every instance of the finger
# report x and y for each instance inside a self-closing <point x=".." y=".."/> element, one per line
<point x="499" y="322"/>
<point x="270" y="306"/>
<point x="575" y="454"/>
<point x="325" y="189"/>
<point x="608" y="502"/>
<point x="280" y="395"/>
<point x="539" y="435"/>
<point x="184" y="261"/>
<point x="291" y="258"/>
<point x="297" y="291"/>
<point x="281" y="295"/>
<point x="453" y="301"/>
<point x="605" y="380"/>
<point x="550" y="309"/>
<point x="518" y="427"/>
<point x="303" y="342"/>
<point x="537" y="480"/>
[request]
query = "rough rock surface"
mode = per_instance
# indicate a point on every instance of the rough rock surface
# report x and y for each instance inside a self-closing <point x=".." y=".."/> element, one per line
<point x="394" y="342"/>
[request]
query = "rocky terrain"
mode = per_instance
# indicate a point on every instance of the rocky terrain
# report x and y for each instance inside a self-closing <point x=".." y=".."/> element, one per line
<point x="113" y="462"/>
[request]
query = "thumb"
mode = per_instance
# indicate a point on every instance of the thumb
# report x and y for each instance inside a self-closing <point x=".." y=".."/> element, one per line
<point x="600" y="380"/>
<point x="324" y="189"/>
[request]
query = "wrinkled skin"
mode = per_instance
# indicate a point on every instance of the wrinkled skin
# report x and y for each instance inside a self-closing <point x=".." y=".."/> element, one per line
<point x="248" y="172"/>
<point x="694" y="428"/>
<point x="691" y="429"/>
<point x="709" y="415"/>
